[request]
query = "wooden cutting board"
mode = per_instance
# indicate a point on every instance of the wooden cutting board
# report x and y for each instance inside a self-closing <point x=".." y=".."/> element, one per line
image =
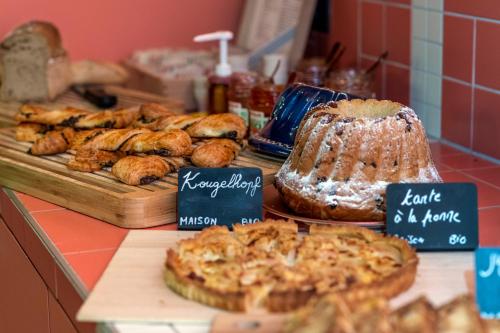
<point x="132" y="288"/>
<point x="99" y="194"/>
<point x="126" y="98"/>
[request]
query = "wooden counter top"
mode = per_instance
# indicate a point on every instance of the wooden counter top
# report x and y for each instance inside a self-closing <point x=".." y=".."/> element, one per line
<point x="70" y="250"/>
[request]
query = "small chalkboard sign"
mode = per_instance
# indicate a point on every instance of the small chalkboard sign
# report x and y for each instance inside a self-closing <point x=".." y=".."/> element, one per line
<point x="439" y="216"/>
<point x="218" y="196"/>
<point x="488" y="282"/>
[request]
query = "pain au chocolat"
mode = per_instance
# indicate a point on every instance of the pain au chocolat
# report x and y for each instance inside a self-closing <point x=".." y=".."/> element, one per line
<point x="346" y="153"/>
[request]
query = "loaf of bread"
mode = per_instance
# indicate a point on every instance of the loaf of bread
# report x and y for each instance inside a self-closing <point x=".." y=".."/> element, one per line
<point x="98" y="72"/>
<point x="33" y="64"/>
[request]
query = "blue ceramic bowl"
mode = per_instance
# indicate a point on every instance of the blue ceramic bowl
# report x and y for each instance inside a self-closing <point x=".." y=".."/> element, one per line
<point x="278" y="135"/>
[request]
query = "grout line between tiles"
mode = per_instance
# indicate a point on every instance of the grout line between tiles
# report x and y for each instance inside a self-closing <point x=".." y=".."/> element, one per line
<point x="387" y="62"/>
<point x="89" y="251"/>
<point x="470" y="151"/>
<point x="472" y="17"/>
<point x="489" y="207"/>
<point x="473" y="81"/>
<point x="359" y="25"/>
<point x="384" y="48"/>
<point x="478" y="179"/>
<point x="468" y="84"/>
<point x="46" y="210"/>
<point x="391" y="4"/>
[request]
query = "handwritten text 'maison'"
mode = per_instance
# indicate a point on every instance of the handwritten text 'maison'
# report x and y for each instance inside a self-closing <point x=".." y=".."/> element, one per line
<point x="235" y="182"/>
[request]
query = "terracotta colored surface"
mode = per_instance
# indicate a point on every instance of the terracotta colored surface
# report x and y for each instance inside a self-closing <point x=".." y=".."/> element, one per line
<point x="456" y="112"/>
<point x="488" y="195"/>
<point x="71" y="301"/>
<point x="484" y="8"/>
<point x="73" y="232"/>
<point x="112" y="29"/>
<point x="457" y="47"/>
<point x="487" y="54"/>
<point x="489" y="226"/>
<point x="398" y="34"/>
<point x="90" y="265"/>
<point x="36" y="205"/>
<point x="397" y="84"/>
<point x="486" y="122"/>
<point x="345" y="29"/>
<point x="464" y="161"/>
<point x="371" y="29"/>
<point x="23" y="304"/>
<point x="59" y="322"/>
<point x="406" y="2"/>
<point x="489" y="175"/>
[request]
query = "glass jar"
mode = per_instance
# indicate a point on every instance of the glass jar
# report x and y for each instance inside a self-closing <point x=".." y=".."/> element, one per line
<point x="353" y="81"/>
<point x="239" y="93"/>
<point x="312" y="72"/>
<point x="263" y="98"/>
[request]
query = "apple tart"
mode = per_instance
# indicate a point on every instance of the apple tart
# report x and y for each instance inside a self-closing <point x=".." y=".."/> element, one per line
<point x="270" y="265"/>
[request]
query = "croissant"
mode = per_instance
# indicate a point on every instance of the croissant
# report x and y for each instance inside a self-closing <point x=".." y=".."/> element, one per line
<point x="169" y="143"/>
<point x="35" y="114"/>
<point x="150" y="114"/>
<point x="30" y="132"/>
<point x="87" y="160"/>
<point x="83" y="137"/>
<point x="54" y="142"/>
<point x="137" y="170"/>
<point x="215" y="153"/>
<point x="224" y="125"/>
<point x="108" y="119"/>
<point x="112" y="140"/>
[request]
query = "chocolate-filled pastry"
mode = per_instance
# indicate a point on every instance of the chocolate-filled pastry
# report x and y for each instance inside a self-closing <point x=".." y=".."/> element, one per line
<point x="30" y="132"/>
<point x="151" y="115"/>
<point x="175" y="163"/>
<point x="168" y="143"/>
<point x="87" y="160"/>
<point x="108" y="119"/>
<point x="224" y="125"/>
<point x="112" y="140"/>
<point x="179" y="122"/>
<point x="54" y="142"/>
<point x="82" y="137"/>
<point x="215" y="153"/>
<point x="138" y="170"/>
<point x="36" y="114"/>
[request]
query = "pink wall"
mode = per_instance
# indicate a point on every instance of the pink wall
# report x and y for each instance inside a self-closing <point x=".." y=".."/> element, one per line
<point x="112" y="29"/>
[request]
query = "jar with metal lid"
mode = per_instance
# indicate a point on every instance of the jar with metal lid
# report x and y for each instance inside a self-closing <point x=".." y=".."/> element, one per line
<point x="239" y="93"/>
<point x="263" y="98"/>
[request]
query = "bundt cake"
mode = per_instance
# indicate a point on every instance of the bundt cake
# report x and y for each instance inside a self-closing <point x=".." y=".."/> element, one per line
<point x="346" y="153"/>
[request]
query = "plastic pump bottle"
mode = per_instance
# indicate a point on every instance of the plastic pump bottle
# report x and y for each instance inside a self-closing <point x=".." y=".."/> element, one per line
<point x="219" y="81"/>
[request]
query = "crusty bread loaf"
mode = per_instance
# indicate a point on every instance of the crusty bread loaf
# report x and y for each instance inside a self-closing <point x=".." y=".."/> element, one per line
<point x="34" y="65"/>
<point x="98" y="72"/>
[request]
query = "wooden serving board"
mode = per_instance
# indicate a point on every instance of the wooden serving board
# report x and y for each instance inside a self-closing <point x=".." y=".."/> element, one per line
<point x="126" y="98"/>
<point x="99" y="194"/>
<point x="132" y="287"/>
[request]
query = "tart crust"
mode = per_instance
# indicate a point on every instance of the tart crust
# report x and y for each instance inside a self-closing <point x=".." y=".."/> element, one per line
<point x="259" y="249"/>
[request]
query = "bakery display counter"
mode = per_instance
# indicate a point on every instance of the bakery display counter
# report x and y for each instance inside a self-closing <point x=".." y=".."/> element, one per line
<point x="52" y="257"/>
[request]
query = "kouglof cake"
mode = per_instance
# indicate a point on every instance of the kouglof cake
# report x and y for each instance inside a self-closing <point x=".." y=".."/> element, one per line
<point x="346" y="153"/>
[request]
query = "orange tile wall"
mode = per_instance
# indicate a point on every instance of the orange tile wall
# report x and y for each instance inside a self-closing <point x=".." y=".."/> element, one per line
<point x="370" y="27"/>
<point x="470" y="115"/>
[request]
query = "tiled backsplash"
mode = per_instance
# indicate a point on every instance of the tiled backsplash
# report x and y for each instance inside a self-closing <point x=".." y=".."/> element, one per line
<point x="444" y="60"/>
<point x="426" y="63"/>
